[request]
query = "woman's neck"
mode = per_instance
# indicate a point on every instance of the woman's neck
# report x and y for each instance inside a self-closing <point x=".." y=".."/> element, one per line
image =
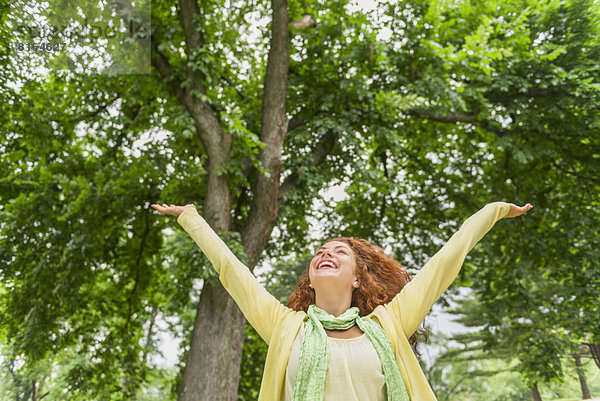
<point x="334" y="304"/>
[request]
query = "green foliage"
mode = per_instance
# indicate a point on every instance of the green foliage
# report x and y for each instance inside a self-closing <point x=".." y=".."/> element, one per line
<point x="465" y="103"/>
<point x="282" y="278"/>
<point x="253" y="363"/>
<point x="467" y="372"/>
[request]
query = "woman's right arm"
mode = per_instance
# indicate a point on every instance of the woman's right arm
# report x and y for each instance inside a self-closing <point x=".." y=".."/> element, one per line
<point x="259" y="307"/>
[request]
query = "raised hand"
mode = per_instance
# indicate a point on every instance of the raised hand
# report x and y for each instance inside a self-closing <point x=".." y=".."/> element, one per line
<point x="173" y="210"/>
<point x="516" y="211"/>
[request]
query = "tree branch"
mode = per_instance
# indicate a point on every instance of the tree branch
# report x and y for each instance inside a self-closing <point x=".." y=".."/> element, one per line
<point x="158" y="59"/>
<point x="137" y="268"/>
<point x="575" y="174"/>
<point x="160" y="62"/>
<point x="458" y="118"/>
<point x="265" y="206"/>
<point x="535" y="93"/>
<point x="149" y="333"/>
<point x="294" y="123"/>
<point x="194" y="40"/>
<point x="446" y="118"/>
<point x="92" y="114"/>
<point x="232" y="86"/>
<point x="189" y="10"/>
<point x="320" y="152"/>
<point x="215" y="141"/>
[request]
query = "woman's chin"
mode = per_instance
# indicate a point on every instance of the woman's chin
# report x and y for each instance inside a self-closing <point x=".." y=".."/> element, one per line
<point x="325" y="275"/>
<point x="329" y="281"/>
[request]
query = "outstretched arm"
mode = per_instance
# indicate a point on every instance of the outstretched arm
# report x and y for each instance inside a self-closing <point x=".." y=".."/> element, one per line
<point x="415" y="300"/>
<point x="260" y="308"/>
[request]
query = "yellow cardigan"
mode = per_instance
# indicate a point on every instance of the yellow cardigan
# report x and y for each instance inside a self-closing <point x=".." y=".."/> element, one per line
<point x="278" y="325"/>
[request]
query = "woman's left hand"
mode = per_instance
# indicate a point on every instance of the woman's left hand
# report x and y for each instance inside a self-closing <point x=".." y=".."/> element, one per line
<point x="516" y="211"/>
<point x="173" y="210"/>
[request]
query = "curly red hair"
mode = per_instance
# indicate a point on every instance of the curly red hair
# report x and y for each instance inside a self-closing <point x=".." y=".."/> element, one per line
<point x="380" y="277"/>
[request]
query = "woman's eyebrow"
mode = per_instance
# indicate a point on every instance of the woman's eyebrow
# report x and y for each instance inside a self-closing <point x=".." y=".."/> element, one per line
<point x="335" y="247"/>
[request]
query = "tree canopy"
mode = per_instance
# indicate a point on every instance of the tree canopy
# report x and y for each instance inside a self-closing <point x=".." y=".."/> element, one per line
<point x="422" y="111"/>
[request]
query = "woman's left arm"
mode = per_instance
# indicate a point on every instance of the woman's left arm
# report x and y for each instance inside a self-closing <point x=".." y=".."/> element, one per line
<point x="415" y="300"/>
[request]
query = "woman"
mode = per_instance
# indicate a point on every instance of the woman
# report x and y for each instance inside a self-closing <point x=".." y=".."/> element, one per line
<point x="343" y="346"/>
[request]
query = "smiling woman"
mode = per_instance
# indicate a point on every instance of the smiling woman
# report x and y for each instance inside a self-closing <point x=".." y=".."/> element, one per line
<point x="370" y="277"/>
<point x="347" y="332"/>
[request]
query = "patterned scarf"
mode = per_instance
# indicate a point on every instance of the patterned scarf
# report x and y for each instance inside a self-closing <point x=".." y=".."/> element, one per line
<point x="314" y="354"/>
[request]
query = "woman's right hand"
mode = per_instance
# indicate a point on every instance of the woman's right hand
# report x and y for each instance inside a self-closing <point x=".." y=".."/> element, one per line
<point x="173" y="210"/>
<point x="516" y="211"/>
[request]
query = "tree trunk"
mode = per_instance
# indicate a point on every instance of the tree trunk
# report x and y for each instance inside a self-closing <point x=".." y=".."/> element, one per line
<point x="595" y="350"/>
<point x="585" y="391"/>
<point x="212" y="366"/>
<point x="536" y="392"/>
<point x="213" y="363"/>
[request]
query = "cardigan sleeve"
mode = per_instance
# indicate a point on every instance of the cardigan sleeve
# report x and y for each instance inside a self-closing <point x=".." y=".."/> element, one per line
<point x="415" y="300"/>
<point x="260" y="308"/>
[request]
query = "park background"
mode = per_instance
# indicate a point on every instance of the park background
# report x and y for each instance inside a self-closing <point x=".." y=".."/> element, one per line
<point x="289" y="123"/>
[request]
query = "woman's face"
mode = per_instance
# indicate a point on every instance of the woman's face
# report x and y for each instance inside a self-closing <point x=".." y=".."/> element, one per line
<point x="333" y="263"/>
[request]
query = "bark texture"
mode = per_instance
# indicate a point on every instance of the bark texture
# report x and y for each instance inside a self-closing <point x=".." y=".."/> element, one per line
<point x="585" y="391"/>
<point x="535" y="391"/>
<point x="265" y="206"/>
<point x="213" y="362"/>
<point x="595" y="351"/>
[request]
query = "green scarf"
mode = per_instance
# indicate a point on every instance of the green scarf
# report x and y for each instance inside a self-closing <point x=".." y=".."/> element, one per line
<point x="314" y="354"/>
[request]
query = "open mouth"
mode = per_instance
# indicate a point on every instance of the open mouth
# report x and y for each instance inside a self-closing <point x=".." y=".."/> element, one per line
<point x="326" y="264"/>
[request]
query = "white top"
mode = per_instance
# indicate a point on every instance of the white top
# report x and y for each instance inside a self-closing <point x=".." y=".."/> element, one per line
<point x="354" y="373"/>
